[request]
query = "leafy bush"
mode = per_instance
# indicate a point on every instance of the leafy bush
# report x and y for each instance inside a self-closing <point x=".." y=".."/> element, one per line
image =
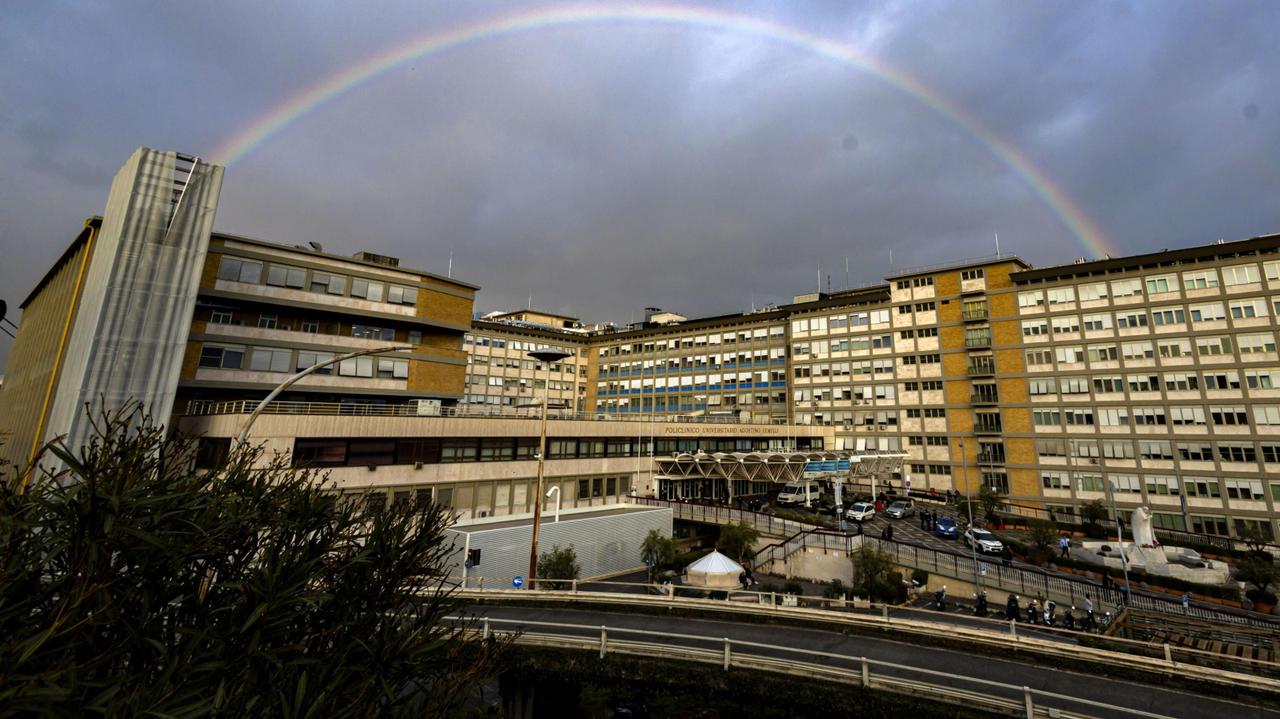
<point x="559" y="563"/>
<point x="834" y="589"/>
<point x="793" y="587"/>
<point x="657" y="552"/>
<point x="132" y="585"/>
<point x="738" y="541"/>
<point x="920" y="577"/>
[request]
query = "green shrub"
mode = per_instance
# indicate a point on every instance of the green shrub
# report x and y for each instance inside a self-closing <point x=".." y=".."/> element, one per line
<point x="834" y="589"/>
<point x="793" y="587"/>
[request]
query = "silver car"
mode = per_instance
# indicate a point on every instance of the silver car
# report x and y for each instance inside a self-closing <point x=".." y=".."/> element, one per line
<point x="901" y="508"/>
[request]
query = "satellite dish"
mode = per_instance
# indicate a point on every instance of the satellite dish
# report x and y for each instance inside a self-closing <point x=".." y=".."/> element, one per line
<point x="315" y="246"/>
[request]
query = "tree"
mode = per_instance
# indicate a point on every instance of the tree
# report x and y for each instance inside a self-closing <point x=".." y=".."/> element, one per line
<point x="559" y="563"/>
<point x="132" y="584"/>
<point x="872" y="570"/>
<point x="657" y="551"/>
<point x="1042" y="534"/>
<point x="1255" y="540"/>
<point x="1093" y="512"/>
<point x="1259" y="572"/>
<point x="738" y="541"/>
<point x="990" y="501"/>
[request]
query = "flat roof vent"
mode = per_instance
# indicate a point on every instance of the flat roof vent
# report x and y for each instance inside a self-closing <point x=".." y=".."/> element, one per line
<point x="377" y="259"/>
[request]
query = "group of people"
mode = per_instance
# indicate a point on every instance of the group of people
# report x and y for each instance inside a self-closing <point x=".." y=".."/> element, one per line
<point x="949" y="496"/>
<point x="927" y="518"/>
<point x="1049" y="615"/>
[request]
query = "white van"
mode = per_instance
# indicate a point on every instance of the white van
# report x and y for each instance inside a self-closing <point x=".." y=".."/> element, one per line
<point x="794" y="493"/>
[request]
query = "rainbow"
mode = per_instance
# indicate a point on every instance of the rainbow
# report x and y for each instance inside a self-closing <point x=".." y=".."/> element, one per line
<point x="264" y="127"/>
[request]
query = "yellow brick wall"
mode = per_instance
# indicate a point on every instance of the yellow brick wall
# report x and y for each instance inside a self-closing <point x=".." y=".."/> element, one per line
<point x="209" y="276"/>
<point x="437" y="377"/>
<point x="191" y="361"/>
<point x="441" y="307"/>
<point x="946" y="284"/>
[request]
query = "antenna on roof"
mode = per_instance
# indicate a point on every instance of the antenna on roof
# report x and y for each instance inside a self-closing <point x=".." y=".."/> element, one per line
<point x="450" y="275"/>
<point x="997" y="234"/>
<point x="530" y="305"/>
<point x="846" y="272"/>
<point x="891" y="257"/>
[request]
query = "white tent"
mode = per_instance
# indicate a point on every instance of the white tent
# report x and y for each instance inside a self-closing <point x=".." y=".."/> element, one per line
<point x="715" y="571"/>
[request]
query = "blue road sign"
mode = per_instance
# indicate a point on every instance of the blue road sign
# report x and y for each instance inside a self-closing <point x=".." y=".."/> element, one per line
<point x="517" y="582"/>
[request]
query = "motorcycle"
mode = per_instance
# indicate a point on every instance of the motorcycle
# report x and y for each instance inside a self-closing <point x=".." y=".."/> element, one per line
<point x="980" y="605"/>
<point x="1011" y="608"/>
<point x="1050" y="614"/>
<point x="1068" y="619"/>
<point x="940" y="597"/>
<point x="1033" y="613"/>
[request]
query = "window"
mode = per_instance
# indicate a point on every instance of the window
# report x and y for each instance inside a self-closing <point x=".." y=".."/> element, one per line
<point x="1193" y="416"/>
<point x="1221" y="380"/>
<point x="310" y="326"/>
<point x="1200" y="280"/>
<point x="1034" y="328"/>
<point x="1201" y="487"/>
<point x="1208" y="312"/>
<point x="1126" y="288"/>
<point x="1051" y="448"/>
<point x="1092" y="291"/>
<point x="374" y="333"/>
<point x="972" y="274"/>
<point x="268" y="359"/>
<point x="1256" y="344"/>
<point x="1070" y="355"/>
<point x="1130" y="320"/>
<point x="1229" y="416"/>
<point x="1162" y="485"/>
<point x="1138" y="350"/>
<point x="1038" y="357"/>
<point x="1172" y="316"/>
<point x="1034" y="298"/>
<point x="1061" y="295"/>
<point x="1246" y="489"/>
<point x="393" y="368"/>
<point x="1181" y="382"/>
<point x="237" y="270"/>
<point x="1213" y="346"/>
<point x="1161" y="284"/>
<point x="328" y="284"/>
<point x="267" y="321"/>
<point x="356" y="367"/>
<point x="1042" y="386"/>
<point x="1093" y="323"/>
<point x="1103" y="385"/>
<point x="1248" y="309"/>
<point x="398" y="295"/>
<point x="1066" y="325"/>
<point x="1103" y="353"/>
<point x="1046" y="418"/>
<point x="307" y="359"/>
<point x="222" y="356"/>
<point x="1117" y="449"/>
<point x="282" y="276"/>
<point x="220" y="317"/>
<point x="372" y="291"/>
<point x="1263" y="378"/>
<point x="1174" y="348"/>
<point x="1240" y="275"/>
<point x="1237" y="452"/>
<point x="1155" y="449"/>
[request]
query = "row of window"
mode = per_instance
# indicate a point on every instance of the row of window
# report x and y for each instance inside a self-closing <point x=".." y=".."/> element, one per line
<point x="236" y="269"/>
<point x="276" y="359"/>
<point x="1232" y="276"/>
<point x="515" y="345"/>
<point x="521" y="364"/>
<point x="271" y="321"/>
<point x="1250" y="346"/>
<point x="759" y="334"/>
<point x="1243" y="309"/>
<point x="1257" y="379"/>
<point x="1159" y="449"/>
<point x="1160" y="485"/>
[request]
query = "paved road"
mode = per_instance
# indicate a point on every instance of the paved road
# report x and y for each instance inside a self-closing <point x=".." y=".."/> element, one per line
<point x="1145" y="697"/>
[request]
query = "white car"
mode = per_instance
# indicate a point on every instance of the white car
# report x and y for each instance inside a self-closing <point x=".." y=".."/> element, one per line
<point x="983" y="541"/>
<point x="860" y="511"/>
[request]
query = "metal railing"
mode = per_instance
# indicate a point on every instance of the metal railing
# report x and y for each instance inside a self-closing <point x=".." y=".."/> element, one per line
<point x="197" y="408"/>
<point x="1047" y="642"/>
<point x="1019" y="579"/>
<point x="809" y="663"/>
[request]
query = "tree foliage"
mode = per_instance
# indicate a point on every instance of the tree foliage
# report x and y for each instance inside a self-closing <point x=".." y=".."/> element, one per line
<point x="657" y="551"/>
<point x="873" y="574"/>
<point x="1093" y="511"/>
<point x="559" y="563"/>
<point x="1257" y="571"/>
<point x="132" y="584"/>
<point x="990" y="501"/>
<point x="1042" y="534"/>
<point x="738" y="541"/>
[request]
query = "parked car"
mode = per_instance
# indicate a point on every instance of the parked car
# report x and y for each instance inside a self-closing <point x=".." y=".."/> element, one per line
<point x="983" y="541"/>
<point x="799" y="493"/>
<point x="861" y="511"/>
<point x="899" y="509"/>
<point x="946" y="528"/>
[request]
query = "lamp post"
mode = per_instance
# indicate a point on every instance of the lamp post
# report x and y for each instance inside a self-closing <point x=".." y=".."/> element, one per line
<point x="556" y="491"/>
<point x="546" y="356"/>
<point x="253" y="416"/>
<point x="1124" y="558"/>
<point x="968" y="494"/>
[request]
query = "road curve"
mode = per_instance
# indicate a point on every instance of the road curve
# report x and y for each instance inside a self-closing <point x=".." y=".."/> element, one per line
<point x="1126" y="693"/>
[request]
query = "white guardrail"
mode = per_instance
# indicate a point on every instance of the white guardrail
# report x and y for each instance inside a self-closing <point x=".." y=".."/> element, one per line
<point x="1047" y="643"/>
<point x="1008" y="699"/>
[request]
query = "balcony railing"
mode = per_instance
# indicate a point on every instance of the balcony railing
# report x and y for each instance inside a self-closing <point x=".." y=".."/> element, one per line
<point x="987" y="428"/>
<point x="973" y="315"/>
<point x="982" y="398"/>
<point x="198" y="408"/>
<point x="982" y="370"/>
<point x="978" y="341"/>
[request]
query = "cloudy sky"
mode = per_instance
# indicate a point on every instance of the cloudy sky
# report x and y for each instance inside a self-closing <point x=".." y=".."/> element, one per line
<point x="605" y="165"/>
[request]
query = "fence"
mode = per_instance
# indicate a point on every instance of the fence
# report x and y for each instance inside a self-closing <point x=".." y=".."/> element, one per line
<point x="1047" y="642"/>
<point x="867" y="673"/>
<point x="1020" y="579"/>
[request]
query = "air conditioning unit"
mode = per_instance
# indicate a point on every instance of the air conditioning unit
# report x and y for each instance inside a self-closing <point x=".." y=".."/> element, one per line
<point x="427" y="407"/>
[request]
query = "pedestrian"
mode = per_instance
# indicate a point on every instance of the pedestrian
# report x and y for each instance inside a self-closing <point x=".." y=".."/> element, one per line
<point x="889" y="531"/>
<point x="1065" y="545"/>
<point x="1088" y="610"/>
<point x="1186" y="603"/>
<point x="1006" y="554"/>
<point x="1107" y="582"/>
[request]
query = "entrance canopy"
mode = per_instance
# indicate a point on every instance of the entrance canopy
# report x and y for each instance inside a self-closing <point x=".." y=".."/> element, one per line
<point x="725" y="475"/>
<point x="714" y="570"/>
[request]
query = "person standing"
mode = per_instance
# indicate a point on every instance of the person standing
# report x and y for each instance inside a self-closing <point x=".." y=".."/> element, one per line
<point x="1088" y="611"/>
<point x="1186" y="603"/>
<point x="1065" y="545"/>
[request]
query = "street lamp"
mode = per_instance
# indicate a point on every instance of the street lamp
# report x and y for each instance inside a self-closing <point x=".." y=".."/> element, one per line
<point x="253" y="416"/>
<point x="1124" y="558"/>
<point x="556" y="491"/>
<point x="968" y="494"/>
<point x="546" y="356"/>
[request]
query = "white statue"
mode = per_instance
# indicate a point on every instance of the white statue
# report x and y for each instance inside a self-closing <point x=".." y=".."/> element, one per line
<point x="1140" y="524"/>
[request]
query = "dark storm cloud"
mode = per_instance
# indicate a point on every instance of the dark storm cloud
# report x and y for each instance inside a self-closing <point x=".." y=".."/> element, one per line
<point x="607" y="167"/>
